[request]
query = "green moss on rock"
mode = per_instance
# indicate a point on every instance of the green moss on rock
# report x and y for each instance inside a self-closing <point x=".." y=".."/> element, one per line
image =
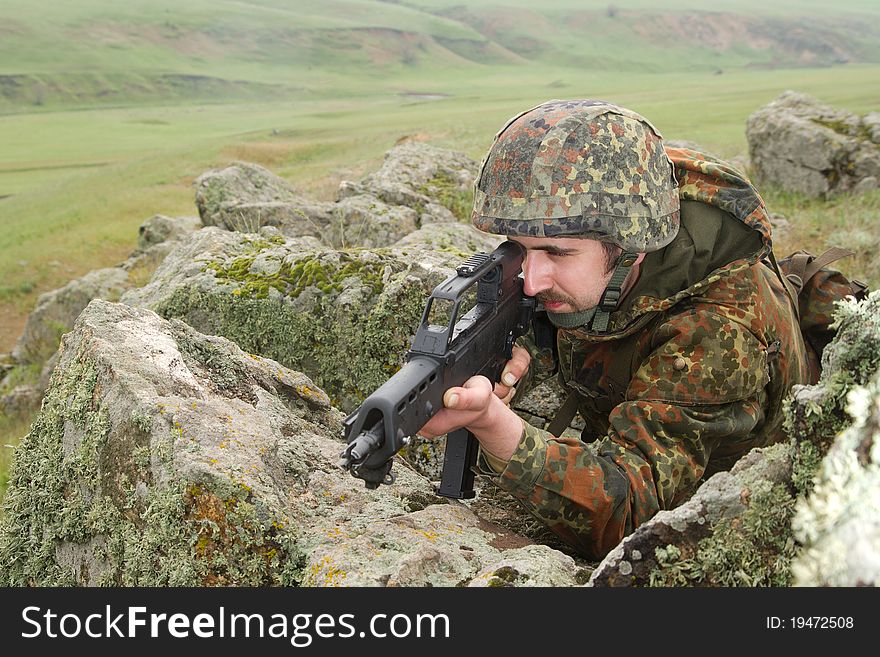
<point x="293" y="278"/>
<point x="99" y="518"/>
<point x="317" y="312"/>
<point x="447" y="191"/>
<point x="859" y="130"/>
<point x="754" y="549"/>
<point x="58" y="451"/>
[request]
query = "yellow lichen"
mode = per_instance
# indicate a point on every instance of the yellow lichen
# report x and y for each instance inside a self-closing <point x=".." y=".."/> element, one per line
<point x="325" y="571"/>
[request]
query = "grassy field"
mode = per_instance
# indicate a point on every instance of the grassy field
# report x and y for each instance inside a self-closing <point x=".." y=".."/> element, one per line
<point x="78" y="183"/>
<point x="109" y="111"/>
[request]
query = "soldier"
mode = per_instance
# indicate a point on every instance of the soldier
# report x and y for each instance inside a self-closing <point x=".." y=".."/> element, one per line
<point x="675" y="336"/>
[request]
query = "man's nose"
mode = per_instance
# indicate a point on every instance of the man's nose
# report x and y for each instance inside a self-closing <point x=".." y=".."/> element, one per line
<point x="536" y="274"/>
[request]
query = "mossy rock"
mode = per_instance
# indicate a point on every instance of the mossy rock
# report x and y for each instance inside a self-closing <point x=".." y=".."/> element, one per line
<point x="344" y="317"/>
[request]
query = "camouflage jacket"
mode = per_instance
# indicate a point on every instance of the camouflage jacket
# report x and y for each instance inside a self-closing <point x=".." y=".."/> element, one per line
<point x="690" y="376"/>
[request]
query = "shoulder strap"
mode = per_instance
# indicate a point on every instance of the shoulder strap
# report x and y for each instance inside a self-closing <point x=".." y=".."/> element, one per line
<point x="564" y="415"/>
<point x="797" y="270"/>
<point x="859" y="289"/>
<point x="803" y="266"/>
<point x="819" y="262"/>
<point x="792" y="285"/>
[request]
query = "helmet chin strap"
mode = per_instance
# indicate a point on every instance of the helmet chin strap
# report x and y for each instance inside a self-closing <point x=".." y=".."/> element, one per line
<point x="613" y="291"/>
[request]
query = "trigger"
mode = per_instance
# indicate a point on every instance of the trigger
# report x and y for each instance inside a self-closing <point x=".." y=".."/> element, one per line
<point x="508" y="346"/>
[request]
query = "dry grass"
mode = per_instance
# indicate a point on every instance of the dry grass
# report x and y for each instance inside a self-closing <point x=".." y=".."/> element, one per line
<point x="270" y="154"/>
<point x="143" y="271"/>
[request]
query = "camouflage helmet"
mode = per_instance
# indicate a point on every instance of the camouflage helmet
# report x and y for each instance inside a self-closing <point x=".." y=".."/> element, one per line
<point x="579" y="168"/>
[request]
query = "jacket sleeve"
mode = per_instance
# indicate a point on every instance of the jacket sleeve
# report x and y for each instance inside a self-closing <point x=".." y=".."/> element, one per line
<point x="658" y="443"/>
<point x="594" y="495"/>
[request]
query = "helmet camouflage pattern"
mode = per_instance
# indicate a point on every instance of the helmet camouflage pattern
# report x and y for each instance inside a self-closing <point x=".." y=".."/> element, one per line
<point x="579" y="168"/>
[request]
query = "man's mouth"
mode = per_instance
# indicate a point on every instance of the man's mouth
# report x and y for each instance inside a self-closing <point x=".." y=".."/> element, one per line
<point x="552" y="302"/>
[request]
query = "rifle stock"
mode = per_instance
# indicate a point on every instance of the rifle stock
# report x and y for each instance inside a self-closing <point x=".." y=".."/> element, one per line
<point x="476" y="342"/>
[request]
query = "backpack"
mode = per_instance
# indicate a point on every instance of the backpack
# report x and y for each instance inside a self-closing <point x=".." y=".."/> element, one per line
<point x="816" y="287"/>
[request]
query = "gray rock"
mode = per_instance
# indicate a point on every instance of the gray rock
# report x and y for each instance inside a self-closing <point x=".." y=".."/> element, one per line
<point x="442" y="545"/>
<point x="162" y="456"/>
<point x="56" y="311"/>
<point x="446" y="236"/>
<point x="866" y="185"/>
<point x="300" y="218"/>
<point x="21" y="401"/>
<point x="779" y="222"/>
<point x="802" y="145"/>
<point x="434" y="181"/>
<point x="159" y="228"/>
<point x="838" y="524"/>
<point x="157" y="237"/>
<point x="872" y="123"/>
<point x="531" y="565"/>
<point x="418" y="184"/>
<point x="142" y="263"/>
<point x="361" y="220"/>
<point x="366" y="221"/>
<point x="309" y="309"/>
<point x="220" y="192"/>
<point x="434" y="213"/>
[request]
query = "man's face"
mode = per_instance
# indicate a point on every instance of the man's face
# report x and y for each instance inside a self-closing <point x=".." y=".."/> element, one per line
<point x="566" y="274"/>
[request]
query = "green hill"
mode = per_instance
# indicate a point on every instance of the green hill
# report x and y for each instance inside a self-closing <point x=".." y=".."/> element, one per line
<point x="109" y="110"/>
<point x="100" y="52"/>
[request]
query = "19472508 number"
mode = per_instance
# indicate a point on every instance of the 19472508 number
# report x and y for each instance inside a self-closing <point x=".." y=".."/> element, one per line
<point x="822" y="622"/>
<point x="810" y="622"/>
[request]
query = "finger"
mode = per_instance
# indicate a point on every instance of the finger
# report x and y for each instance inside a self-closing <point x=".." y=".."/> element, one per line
<point x="472" y="396"/>
<point x="463" y="404"/>
<point x="445" y="421"/>
<point x="516" y="368"/>
<point x="442" y="423"/>
<point x="504" y="393"/>
<point x="427" y="431"/>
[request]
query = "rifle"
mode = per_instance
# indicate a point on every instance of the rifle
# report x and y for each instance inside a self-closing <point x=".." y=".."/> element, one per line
<point x="478" y="341"/>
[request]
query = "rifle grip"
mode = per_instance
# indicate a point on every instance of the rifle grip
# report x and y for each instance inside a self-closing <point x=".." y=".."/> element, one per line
<point x="457" y="479"/>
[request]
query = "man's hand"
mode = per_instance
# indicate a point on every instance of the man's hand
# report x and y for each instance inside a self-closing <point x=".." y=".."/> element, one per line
<point x="484" y="411"/>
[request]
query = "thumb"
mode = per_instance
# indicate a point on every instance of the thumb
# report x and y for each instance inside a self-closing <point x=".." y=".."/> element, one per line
<point x="469" y="397"/>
